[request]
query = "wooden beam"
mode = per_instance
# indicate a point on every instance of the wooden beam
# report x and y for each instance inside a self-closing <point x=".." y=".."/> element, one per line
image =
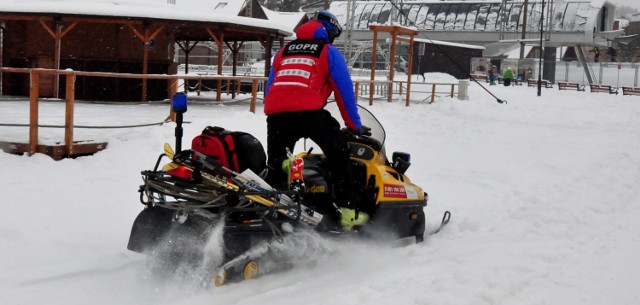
<point x="235" y="47"/>
<point x="409" y="71"/>
<point x="135" y="31"/>
<point x="155" y="33"/>
<point x="34" y="93"/>
<point x="219" y="42"/>
<point x="56" y="58"/>
<point x="69" y="114"/>
<point x="220" y="62"/>
<point x="68" y="29"/>
<point x="47" y="27"/>
<point x="392" y="64"/>
<point x="254" y="94"/>
<point x="187" y="48"/>
<point x="373" y="65"/>
<point x="267" y="60"/>
<point x="145" y="63"/>
<point x="146" y="38"/>
<point x="213" y="35"/>
<point x="57" y="34"/>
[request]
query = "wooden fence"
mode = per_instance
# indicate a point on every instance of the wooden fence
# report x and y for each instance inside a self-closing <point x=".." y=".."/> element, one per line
<point x="69" y="149"/>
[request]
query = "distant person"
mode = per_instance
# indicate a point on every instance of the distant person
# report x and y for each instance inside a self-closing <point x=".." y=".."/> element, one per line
<point x="596" y="54"/>
<point x="507" y="76"/>
<point x="492" y="75"/>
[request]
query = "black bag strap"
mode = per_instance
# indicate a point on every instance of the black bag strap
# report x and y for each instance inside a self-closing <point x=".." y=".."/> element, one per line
<point x="213" y="130"/>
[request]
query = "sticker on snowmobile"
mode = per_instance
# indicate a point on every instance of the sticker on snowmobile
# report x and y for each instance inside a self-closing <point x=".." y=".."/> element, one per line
<point x="411" y="193"/>
<point x="399" y="191"/>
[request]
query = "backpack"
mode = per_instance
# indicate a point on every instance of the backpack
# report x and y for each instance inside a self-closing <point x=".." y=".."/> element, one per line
<point x="235" y="150"/>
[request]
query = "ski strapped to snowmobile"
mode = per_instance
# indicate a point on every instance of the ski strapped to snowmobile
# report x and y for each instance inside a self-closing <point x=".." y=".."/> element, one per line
<point x="219" y="182"/>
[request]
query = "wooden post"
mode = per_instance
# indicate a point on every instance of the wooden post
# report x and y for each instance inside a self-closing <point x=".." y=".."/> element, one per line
<point x="235" y="48"/>
<point x="146" y="39"/>
<point x="409" y="71"/>
<point x="145" y="62"/>
<point x="68" y="114"/>
<point x="394" y="31"/>
<point x="254" y="94"/>
<point x="56" y="58"/>
<point x="57" y="35"/>
<point x="392" y="63"/>
<point x="373" y="65"/>
<point x="452" y="89"/>
<point x="220" y="62"/>
<point x="268" y="46"/>
<point x="433" y="93"/>
<point x="34" y="93"/>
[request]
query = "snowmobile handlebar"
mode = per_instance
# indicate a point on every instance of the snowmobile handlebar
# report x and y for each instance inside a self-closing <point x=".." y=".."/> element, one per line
<point x="362" y="131"/>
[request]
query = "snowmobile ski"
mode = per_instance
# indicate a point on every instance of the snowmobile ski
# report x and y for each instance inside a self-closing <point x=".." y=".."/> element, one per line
<point x="445" y="221"/>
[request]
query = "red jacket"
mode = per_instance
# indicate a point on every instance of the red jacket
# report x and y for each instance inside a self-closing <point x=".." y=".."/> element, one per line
<point x="305" y="72"/>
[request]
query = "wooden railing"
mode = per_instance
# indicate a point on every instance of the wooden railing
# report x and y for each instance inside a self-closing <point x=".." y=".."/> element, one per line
<point x="34" y="84"/>
<point x="34" y="92"/>
<point x="382" y="87"/>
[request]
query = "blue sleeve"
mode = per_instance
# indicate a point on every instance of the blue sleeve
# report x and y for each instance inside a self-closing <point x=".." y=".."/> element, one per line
<point x="343" y="88"/>
<point x="272" y="73"/>
<point x="269" y="81"/>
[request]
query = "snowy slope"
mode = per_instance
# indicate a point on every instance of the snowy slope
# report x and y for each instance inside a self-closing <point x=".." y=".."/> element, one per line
<point x="544" y="191"/>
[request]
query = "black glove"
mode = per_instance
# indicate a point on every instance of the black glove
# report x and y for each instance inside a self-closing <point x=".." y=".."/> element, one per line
<point x="363" y="131"/>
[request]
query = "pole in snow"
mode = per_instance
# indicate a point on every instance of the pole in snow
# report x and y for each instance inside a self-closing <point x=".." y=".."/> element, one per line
<point x="540" y="55"/>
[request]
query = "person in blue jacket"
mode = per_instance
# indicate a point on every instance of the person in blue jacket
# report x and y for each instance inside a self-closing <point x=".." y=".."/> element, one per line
<point x="303" y="75"/>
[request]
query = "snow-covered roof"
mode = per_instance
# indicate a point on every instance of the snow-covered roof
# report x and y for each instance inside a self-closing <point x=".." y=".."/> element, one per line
<point x="634" y="17"/>
<point x="574" y="15"/>
<point x="217" y="11"/>
<point x="451" y="44"/>
<point x="288" y="19"/>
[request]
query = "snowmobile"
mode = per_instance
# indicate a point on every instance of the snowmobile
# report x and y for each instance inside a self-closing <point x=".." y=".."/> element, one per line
<point x="198" y="189"/>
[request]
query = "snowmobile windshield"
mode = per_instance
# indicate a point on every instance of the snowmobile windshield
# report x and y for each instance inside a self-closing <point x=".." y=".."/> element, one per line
<point x="366" y="117"/>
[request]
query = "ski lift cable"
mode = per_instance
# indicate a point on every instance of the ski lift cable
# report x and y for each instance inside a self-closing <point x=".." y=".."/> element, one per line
<point x="445" y="54"/>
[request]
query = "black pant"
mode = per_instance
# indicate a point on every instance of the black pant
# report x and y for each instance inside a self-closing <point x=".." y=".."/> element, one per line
<point x="285" y="129"/>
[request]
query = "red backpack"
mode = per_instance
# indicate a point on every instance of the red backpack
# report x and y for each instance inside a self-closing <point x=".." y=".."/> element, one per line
<point x="233" y="149"/>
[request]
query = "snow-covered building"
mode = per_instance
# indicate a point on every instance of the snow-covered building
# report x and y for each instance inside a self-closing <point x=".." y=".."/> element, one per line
<point x="136" y="36"/>
<point x="499" y="26"/>
<point x="486" y="22"/>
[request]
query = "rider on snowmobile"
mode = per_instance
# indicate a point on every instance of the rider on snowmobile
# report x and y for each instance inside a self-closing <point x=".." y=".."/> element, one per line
<point x="303" y="75"/>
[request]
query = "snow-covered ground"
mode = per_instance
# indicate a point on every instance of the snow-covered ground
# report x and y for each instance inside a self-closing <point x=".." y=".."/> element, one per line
<point x="544" y="191"/>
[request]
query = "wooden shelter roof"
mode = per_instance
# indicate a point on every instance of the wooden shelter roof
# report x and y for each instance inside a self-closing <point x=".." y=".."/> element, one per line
<point x="188" y="24"/>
